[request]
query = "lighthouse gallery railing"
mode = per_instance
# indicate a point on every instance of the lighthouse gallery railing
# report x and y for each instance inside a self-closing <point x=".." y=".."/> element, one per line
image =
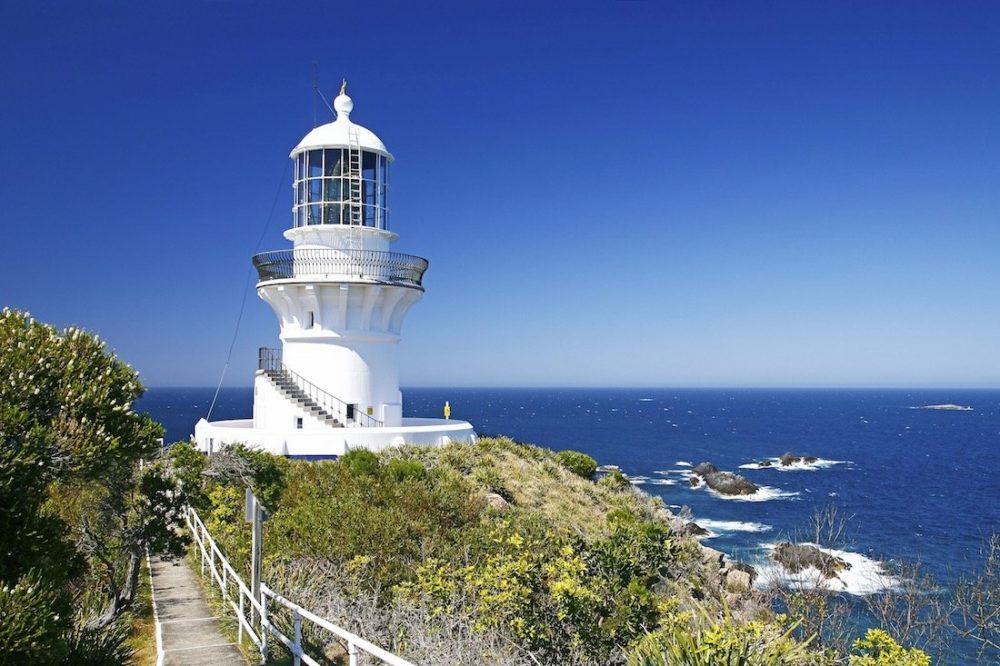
<point x="384" y="267"/>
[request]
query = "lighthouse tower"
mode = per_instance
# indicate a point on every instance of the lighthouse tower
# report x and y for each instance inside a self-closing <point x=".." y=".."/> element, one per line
<point x="340" y="295"/>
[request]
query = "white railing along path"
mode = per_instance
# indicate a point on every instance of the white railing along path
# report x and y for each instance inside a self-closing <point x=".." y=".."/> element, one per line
<point x="222" y="574"/>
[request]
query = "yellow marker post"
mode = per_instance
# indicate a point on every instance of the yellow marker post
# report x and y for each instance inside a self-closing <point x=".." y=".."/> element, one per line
<point x="447" y="410"/>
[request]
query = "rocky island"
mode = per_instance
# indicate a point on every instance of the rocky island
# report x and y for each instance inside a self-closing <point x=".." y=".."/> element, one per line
<point x="724" y="483"/>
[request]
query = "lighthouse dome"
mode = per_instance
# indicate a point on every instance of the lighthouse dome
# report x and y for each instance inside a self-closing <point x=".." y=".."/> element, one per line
<point x="342" y="132"/>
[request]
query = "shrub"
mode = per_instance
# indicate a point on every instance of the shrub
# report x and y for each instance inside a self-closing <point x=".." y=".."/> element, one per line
<point x="579" y="463"/>
<point x="106" y="646"/>
<point x="361" y="462"/>
<point x="188" y="464"/>
<point x="877" y="648"/>
<point x="614" y="480"/>
<point x="406" y="470"/>
<point x="725" y="643"/>
<point x="30" y="624"/>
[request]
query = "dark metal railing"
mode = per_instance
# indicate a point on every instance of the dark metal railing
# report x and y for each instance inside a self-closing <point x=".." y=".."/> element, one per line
<point x="269" y="360"/>
<point x="383" y="267"/>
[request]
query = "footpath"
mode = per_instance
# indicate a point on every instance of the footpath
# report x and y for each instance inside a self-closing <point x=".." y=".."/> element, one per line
<point x="187" y="634"/>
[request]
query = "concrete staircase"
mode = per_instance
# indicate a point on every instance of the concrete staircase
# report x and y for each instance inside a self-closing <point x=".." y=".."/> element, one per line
<point x="289" y="388"/>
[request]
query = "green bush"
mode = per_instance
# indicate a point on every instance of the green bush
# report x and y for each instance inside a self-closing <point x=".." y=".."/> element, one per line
<point x="406" y="470"/>
<point x="877" y="648"/>
<point x="361" y="462"/>
<point x="579" y="463"/>
<point x="31" y="625"/>
<point x="726" y="643"/>
<point x="614" y="480"/>
<point x="188" y="464"/>
<point x="107" y="646"/>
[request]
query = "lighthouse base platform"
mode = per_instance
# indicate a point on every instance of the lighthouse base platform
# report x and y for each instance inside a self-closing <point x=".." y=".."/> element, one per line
<point x="211" y="437"/>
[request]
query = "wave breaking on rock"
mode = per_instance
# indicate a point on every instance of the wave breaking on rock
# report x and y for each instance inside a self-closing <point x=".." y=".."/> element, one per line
<point x="810" y="566"/>
<point x="790" y="462"/>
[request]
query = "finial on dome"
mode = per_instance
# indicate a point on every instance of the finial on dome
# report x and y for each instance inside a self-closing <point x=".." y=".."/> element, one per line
<point x="343" y="104"/>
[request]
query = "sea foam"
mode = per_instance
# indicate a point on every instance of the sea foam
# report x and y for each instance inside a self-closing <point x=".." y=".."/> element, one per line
<point x="821" y="463"/>
<point x="866" y="576"/>
<point x="717" y="526"/>
<point x="763" y="494"/>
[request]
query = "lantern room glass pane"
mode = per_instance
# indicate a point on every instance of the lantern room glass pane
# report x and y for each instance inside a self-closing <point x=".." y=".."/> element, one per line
<point x="368" y="162"/>
<point x="331" y="213"/>
<point x="334" y="162"/>
<point x="315" y="190"/>
<point x="315" y="163"/>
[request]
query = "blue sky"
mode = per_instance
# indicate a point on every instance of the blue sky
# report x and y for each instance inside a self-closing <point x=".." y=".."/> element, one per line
<point x="610" y="194"/>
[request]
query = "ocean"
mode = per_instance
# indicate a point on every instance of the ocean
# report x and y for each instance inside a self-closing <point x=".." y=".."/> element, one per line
<point x="911" y="483"/>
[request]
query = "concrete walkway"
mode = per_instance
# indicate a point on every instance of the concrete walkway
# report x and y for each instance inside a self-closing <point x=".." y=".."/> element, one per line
<point x="187" y="634"/>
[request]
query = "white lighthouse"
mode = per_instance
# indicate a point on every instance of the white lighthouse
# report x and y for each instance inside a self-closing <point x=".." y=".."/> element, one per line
<point x="340" y="295"/>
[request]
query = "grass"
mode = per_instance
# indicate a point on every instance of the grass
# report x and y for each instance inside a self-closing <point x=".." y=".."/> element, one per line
<point x="143" y="633"/>
<point x="535" y="479"/>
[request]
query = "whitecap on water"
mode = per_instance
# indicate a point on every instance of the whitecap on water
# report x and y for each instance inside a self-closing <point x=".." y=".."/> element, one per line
<point x="763" y="494"/>
<point x="731" y="525"/>
<point x="865" y="576"/>
<point x="683" y="463"/>
<point x="820" y="463"/>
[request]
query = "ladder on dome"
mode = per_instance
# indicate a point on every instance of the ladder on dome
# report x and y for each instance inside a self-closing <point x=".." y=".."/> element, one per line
<point x="355" y="207"/>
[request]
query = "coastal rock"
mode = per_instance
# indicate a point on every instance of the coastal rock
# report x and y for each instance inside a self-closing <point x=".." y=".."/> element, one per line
<point x="694" y="481"/>
<point x="495" y="501"/>
<point x="789" y="459"/>
<point x="692" y="529"/>
<point x="738" y="580"/>
<point x="725" y="483"/>
<point x="795" y="557"/>
<point x="712" y="556"/>
<point x="728" y="483"/>
<point x="764" y="463"/>
<point x="705" y="468"/>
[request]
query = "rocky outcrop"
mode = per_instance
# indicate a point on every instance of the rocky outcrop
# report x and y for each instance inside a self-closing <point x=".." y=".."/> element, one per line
<point x="795" y="557"/>
<point x="692" y="529"/>
<point x="724" y="483"/>
<point x="790" y="459"/>
<point x="495" y="501"/>
<point x="733" y="576"/>
<point x="764" y="463"/>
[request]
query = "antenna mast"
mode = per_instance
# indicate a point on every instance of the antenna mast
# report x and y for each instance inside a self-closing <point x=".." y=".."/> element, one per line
<point x="315" y="87"/>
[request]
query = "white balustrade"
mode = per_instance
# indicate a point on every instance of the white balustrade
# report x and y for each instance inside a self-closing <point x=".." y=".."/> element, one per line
<point x="211" y="554"/>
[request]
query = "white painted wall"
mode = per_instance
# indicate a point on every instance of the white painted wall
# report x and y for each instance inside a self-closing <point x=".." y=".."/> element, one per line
<point x="351" y="349"/>
<point x="211" y="437"/>
<point x="341" y="238"/>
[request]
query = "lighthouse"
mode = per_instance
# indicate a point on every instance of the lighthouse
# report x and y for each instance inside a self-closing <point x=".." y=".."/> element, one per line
<point x="340" y="295"/>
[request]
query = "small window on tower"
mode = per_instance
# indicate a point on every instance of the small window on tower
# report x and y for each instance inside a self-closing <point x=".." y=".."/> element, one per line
<point x="298" y="423"/>
<point x="310" y="319"/>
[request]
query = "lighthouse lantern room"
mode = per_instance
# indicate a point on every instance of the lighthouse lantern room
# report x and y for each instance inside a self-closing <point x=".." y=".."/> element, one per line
<point x="340" y="296"/>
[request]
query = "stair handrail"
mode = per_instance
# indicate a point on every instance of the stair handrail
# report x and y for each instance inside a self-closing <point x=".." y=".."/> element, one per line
<point x="222" y="574"/>
<point x="269" y="360"/>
